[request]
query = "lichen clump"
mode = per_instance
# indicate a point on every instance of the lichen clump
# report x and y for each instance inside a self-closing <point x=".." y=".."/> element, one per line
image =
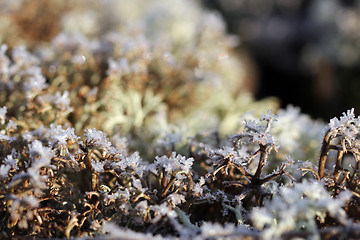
<point x="138" y="124"/>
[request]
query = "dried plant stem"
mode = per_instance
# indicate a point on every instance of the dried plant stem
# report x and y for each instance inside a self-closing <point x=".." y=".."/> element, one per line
<point x="325" y="148"/>
<point x="168" y="186"/>
<point x="262" y="161"/>
<point x="337" y="168"/>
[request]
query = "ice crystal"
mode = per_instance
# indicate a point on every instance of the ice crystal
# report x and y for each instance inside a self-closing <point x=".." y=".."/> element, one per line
<point x="36" y="82"/>
<point x="258" y="132"/>
<point x="98" y="166"/>
<point x="6" y="137"/>
<point x="11" y="125"/>
<point x="58" y="136"/>
<point x="4" y="170"/>
<point x="346" y="130"/>
<point x="161" y="211"/>
<point x="97" y="138"/>
<point x="174" y="163"/>
<point x="115" y="232"/>
<point x="4" y="63"/>
<point x="296" y="208"/>
<point x="176" y="199"/>
<point x="23" y="58"/>
<point x="40" y="155"/>
<point x="151" y="92"/>
<point x="237" y="156"/>
<point x="199" y="187"/>
<point x="3" y="111"/>
<point x="133" y="161"/>
<point x="227" y="231"/>
<point x="347" y="118"/>
<point x="11" y="159"/>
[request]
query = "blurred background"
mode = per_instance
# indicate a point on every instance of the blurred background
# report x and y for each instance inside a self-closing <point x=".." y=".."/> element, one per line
<point x="305" y="52"/>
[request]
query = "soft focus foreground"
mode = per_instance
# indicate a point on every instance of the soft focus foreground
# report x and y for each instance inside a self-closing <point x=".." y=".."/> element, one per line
<point x="125" y="119"/>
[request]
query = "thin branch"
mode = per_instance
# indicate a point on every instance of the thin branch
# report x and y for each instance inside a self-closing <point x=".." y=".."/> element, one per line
<point x="324" y="153"/>
<point x="262" y="161"/>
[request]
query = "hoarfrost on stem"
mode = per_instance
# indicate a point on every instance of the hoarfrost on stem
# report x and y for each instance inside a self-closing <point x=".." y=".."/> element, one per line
<point x="296" y="208"/>
<point x="174" y="163"/>
<point x="97" y="138"/>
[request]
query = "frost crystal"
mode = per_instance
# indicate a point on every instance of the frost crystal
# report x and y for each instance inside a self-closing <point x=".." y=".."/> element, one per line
<point x="4" y="63"/>
<point x="238" y="156"/>
<point x="6" y="138"/>
<point x="23" y="58"/>
<point x="296" y="208"/>
<point x="11" y="159"/>
<point x="174" y="163"/>
<point x="60" y="101"/>
<point x="269" y="117"/>
<point x="347" y="118"/>
<point x="258" y="132"/>
<point x="162" y="210"/>
<point x="59" y="136"/>
<point x="98" y="166"/>
<point x="41" y="155"/>
<point x="97" y="138"/>
<point x="198" y="187"/>
<point x="36" y="82"/>
<point x="176" y="198"/>
<point x="3" y="111"/>
<point x="4" y="170"/>
<point x="11" y="125"/>
<point x="346" y="130"/>
<point x="115" y="232"/>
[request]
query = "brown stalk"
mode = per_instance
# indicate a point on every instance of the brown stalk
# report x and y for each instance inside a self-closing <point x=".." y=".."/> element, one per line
<point x="324" y="153"/>
<point x="168" y="186"/>
<point x="337" y="168"/>
<point x="262" y="161"/>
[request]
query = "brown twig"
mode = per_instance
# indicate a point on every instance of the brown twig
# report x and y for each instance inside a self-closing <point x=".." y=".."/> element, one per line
<point x="324" y="152"/>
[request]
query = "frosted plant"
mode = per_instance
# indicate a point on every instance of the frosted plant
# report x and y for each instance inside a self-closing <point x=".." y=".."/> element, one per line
<point x="299" y="208"/>
<point x="242" y="165"/>
<point x="161" y="211"/>
<point x="97" y="138"/>
<point x="40" y="155"/>
<point x="342" y="137"/>
<point x="4" y="68"/>
<point x="26" y="66"/>
<point x="298" y="135"/>
<point x="21" y="210"/>
<point x="58" y="101"/>
<point x="4" y="137"/>
<point x="36" y="81"/>
<point x="3" y="111"/>
<point x="228" y="157"/>
<point x="176" y="164"/>
<point x="176" y="199"/>
<point x="11" y="125"/>
<point x="169" y="141"/>
<point x="4" y="170"/>
<point x="259" y="133"/>
<point x="11" y="159"/>
<point x="151" y="78"/>
<point x="199" y="187"/>
<point x="58" y="136"/>
<point x="112" y="231"/>
<point x="23" y="58"/>
<point x="227" y="231"/>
